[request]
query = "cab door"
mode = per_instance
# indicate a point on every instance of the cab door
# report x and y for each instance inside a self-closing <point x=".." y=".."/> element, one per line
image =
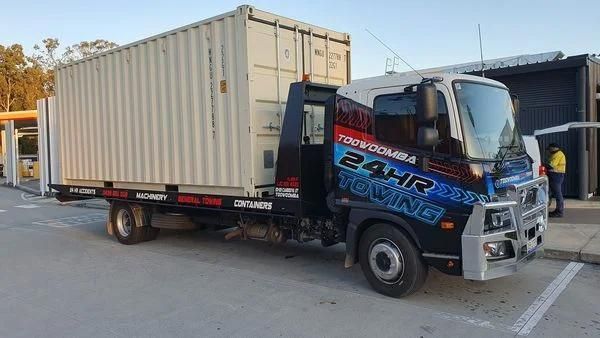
<point x="437" y="174"/>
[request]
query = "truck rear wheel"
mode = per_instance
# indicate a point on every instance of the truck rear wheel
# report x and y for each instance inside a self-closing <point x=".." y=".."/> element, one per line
<point x="126" y="228"/>
<point x="391" y="262"/>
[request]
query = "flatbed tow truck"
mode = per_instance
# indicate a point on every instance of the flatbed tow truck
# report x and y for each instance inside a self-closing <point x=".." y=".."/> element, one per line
<point x="413" y="172"/>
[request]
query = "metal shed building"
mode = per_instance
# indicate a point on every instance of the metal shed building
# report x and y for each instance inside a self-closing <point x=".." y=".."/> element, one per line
<point x="556" y="92"/>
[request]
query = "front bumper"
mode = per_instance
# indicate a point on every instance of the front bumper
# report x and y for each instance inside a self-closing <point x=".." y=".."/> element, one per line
<point x="524" y="237"/>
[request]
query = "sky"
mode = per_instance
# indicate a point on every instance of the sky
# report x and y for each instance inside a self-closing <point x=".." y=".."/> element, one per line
<point x="425" y="33"/>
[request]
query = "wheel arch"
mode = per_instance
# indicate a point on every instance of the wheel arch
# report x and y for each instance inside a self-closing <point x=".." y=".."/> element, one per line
<point x="360" y="220"/>
<point x="142" y="214"/>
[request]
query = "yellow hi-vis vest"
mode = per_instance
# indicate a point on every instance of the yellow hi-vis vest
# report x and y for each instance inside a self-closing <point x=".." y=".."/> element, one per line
<point x="558" y="162"/>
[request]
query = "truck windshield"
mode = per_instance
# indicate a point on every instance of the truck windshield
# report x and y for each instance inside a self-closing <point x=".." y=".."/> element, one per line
<point x="488" y="123"/>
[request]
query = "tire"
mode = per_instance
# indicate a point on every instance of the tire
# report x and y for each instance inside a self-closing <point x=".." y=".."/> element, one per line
<point x="381" y="245"/>
<point x="125" y="227"/>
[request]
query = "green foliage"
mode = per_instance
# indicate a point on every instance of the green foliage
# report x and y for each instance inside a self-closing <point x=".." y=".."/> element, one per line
<point x="28" y="145"/>
<point x="86" y="49"/>
<point x="12" y="72"/>
<point x="25" y="79"/>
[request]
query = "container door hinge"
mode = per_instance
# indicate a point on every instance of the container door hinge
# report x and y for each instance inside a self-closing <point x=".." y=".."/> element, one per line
<point x="272" y="127"/>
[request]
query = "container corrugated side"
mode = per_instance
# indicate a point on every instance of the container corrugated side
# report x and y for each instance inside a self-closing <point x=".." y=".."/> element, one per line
<point x="196" y="107"/>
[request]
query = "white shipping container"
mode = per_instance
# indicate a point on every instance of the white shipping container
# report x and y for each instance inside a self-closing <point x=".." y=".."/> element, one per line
<point x="199" y="107"/>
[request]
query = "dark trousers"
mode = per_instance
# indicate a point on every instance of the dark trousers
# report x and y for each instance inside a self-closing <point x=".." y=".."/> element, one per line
<point x="556" y="181"/>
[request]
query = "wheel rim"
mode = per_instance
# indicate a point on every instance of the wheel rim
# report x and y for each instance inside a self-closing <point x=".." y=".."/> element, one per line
<point x="124" y="223"/>
<point x="386" y="261"/>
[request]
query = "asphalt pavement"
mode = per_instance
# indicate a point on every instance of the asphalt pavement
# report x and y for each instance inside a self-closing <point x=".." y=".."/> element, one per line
<point x="61" y="275"/>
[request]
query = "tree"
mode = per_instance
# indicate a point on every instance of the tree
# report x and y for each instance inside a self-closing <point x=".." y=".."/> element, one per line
<point x="25" y="79"/>
<point x="49" y="57"/>
<point x="34" y="86"/>
<point x="12" y="70"/>
<point x="86" y="49"/>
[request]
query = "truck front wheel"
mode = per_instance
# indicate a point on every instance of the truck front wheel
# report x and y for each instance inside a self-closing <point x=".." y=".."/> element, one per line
<point x="390" y="261"/>
<point x="125" y="225"/>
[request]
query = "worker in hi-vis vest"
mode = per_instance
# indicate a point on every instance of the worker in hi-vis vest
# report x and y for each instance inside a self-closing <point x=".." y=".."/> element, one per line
<point x="557" y="167"/>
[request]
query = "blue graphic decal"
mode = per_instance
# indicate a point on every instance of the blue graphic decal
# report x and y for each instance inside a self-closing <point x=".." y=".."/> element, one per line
<point x="408" y="179"/>
<point x="514" y="172"/>
<point x="391" y="198"/>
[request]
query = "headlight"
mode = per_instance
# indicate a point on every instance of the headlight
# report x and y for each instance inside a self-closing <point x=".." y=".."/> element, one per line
<point x="496" y="219"/>
<point x="496" y="250"/>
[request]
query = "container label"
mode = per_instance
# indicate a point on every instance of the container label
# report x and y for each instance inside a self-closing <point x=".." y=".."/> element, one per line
<point x="211" y="74"/>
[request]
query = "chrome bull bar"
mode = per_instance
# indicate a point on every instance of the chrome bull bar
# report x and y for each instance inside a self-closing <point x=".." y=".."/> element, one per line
<point x="524" y="237"/>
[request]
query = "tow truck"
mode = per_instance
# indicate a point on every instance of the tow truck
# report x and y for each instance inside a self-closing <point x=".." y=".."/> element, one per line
<point x="413" y="172"/>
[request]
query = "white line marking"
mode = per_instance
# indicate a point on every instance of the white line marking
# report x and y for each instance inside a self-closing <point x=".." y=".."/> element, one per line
<point x="2" y="210"/>
<point x="529" y="319"/>
<point x="27" y="206"/>
<point x="67" y="222"/>
<point x="36" y="198"/>
<point x="486" y="324"/>
<point x="31" y="197"/>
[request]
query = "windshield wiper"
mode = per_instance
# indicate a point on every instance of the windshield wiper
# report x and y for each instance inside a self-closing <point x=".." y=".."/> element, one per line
<point x="500" y="165"/>
<point x="471" y="116"/>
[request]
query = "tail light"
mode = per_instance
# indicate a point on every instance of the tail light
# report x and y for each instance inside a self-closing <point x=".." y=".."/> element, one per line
<point x="542" y="170"/>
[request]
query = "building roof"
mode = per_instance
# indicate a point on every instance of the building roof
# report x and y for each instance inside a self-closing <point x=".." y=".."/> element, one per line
<point x="516" y="64"/>
<point x="509" y="61"/>
<point x="19" y="115"/>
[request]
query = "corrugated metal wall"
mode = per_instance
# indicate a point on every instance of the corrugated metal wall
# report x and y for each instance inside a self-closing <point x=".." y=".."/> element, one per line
<point x="10" y="168"/>
<point x="548" y="99"/>
<point x="138" y="114"/>
<point x="593" y="111"/>
<point x="48" y="144"/>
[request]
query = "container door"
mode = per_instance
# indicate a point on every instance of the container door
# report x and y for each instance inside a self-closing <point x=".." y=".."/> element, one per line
<point x="274" y="65"/>
<point x="325" y="59"/>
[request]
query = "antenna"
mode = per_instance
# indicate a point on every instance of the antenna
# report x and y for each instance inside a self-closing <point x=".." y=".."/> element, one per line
<point x="391" y="50"/>
<point x="481" y="51"/>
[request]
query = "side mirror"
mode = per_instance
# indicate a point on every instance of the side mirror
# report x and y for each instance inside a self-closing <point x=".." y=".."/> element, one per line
<point x="427" y="111"/>
<point x="516" y="104"/>
<point x="427" y="137"/>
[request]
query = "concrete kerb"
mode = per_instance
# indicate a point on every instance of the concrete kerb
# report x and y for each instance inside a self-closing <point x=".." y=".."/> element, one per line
<point x="567" y="255"/>
<point x="591" y="252"/>
<point x="573" y="242"/>
<point x="28" y="190"/>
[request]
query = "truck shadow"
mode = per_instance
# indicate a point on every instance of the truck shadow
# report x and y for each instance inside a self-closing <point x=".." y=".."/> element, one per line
<point x="502" y="300"/>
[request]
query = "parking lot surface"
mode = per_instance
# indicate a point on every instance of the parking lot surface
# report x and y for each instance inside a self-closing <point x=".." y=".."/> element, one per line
<point x="62" y="275"/>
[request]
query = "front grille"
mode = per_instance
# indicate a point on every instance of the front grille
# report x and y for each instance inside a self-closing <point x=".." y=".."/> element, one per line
<point x="532" y="197"/>
<point x="531" y="208"/>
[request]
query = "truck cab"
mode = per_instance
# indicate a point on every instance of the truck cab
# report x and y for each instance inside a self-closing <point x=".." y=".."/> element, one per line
<point x="442" y="160"/>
